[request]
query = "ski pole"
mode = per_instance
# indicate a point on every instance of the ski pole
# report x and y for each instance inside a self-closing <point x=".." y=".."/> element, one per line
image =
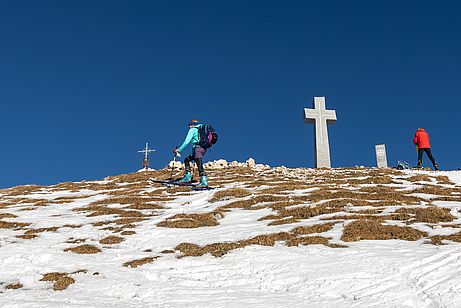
<point x="174" y="161"/>
<point x="172" y="167"/>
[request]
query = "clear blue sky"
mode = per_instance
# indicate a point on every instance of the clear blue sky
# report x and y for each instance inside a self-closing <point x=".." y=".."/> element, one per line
<point x="84" y="84"/>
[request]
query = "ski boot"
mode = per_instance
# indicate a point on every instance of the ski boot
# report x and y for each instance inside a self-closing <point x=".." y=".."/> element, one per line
<point x="436" y="167"/>
<point x="203" y="182"/>
<point x="187" y="178"/>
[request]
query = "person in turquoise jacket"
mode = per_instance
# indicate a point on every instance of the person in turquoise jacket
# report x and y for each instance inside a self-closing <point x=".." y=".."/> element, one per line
<point x="193" y="138"/>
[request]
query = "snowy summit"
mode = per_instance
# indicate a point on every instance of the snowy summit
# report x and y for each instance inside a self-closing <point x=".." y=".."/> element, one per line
<point x="264" y="237"/>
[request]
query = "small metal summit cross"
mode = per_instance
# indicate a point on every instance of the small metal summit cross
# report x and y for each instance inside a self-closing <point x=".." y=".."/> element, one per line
<point x="321" y="117"/>
<point x="146" y="151"/>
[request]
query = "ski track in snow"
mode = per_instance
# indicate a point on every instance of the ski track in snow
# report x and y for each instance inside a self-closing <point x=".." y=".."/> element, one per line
<point x="389" y="273"/>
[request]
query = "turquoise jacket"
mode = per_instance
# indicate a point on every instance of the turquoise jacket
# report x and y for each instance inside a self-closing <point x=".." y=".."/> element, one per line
<point x="191" y="138"/>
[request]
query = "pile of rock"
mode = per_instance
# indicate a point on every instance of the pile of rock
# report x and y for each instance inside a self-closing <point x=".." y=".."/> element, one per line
<point x="222" y="164"/>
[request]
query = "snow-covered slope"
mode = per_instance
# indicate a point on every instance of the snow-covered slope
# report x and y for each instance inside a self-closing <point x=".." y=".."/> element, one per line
<point x="266" y="237"/>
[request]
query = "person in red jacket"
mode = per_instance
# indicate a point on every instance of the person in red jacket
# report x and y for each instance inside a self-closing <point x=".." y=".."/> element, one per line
<point x="421" y="139"/>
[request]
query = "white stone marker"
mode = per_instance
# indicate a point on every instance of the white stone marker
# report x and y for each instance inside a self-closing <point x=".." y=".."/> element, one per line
<point x="321" y="118"/>
<point x="381" y="157"/>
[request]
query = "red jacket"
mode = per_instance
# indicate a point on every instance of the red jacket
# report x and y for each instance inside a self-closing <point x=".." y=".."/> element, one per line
<point x="421" y="139"/>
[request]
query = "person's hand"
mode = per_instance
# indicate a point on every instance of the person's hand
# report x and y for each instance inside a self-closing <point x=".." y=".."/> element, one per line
<point x="176" y="151"/>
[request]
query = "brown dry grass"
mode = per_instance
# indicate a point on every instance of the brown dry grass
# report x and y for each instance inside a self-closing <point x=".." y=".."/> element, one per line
<point x="379" y="189"/>
<point x="378" y="195"/>
<point x="443" y="179"/>
<point x="230" y="194"/>
<point x="13" y="225"/>
<point x="27" y="236"/>
<point x="71" y="226"/>
<point x="179" y="189"/>
<point x="40" y="230"/>
<point x="337" y="180"/>
<point x="382" y="218"/>
<point x="84" y="249"/>
<point x="374" y="230"/>
<point x="14" y="286"/>
<point x="449" y="199"/>
<point x="27" y="209"/>
<point x="127" y="221"/>
<point x="139" y="262"/>
<point x="430" y="214"/>
<point x="110" y="240"/>
<point x="7" y="215"/>
<point x="437" y="240"/>
<point x="220" y="249"/>
<point x="419" y="178"/>
<point x="22" y="190"/>
<point x="286" y="187"/>
<point x="61" y="280"/>
<point x="192" y="220"/>
<point x="99" y="210"/>
<point x="128" y="232"/>
<point x="283" y="221"/>
<point x="145" y="206"/>
<point x="436" y="190"/>
<point x="368" y="211"/>
<point x="128" y="200"/>
<point x="250" y="204"/>
<point x="302" y="212"/>
<point x="302" y="230"/>
<point x="140" y="177"/>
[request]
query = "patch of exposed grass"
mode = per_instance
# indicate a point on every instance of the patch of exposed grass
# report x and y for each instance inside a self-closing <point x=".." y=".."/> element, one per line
<point x="192" y="220"/>
<point x="230" y="194"/>
<point x="253" y="203"/>
<point x="302" y="230"/>
<point x="71" y="226"/>
<point x="97" y="210"/>
<point x="430" y="214"/>
<point x="14" y="286"/>
<point x="302" y="212"/>
<point x="436" y="190"/>
<point x="285" y="186"/>
<point x="61" y="280"/>
<point x="443" y="179"/>
<point x="110" y="240"/>
<point x="145" y="206"/>
<point x="437" y="240"/>
<point x="128" y="232"/>
<point x="23" y="190"/>
<point x="127" y="221"/>
<point x="84" y="249"/>
<point x="220" y="249"/>
<point x="419" y="178"/>
<point x="382" y="179"/>
<point x="381" y="218"/>
<point x="27" y="236"/>
<point x="374" y="230"/>
<point x="139" y="262"/>
<point x="7" y="215"/>
<point x="12" y="225"/>
<point x="40" y="230"/>
<point x="283" y="221"/>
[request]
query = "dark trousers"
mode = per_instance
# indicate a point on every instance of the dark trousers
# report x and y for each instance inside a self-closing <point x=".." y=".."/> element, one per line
<point x="428" y="153"/>
<point x="197" y="156"/>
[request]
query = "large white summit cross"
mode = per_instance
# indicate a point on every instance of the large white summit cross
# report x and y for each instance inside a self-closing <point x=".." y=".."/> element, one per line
<point x="321" y="117"/>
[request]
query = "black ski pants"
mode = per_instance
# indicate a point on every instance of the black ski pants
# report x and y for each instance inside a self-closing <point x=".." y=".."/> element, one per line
<point x="428" y="153"/>
<point x="197" y="156"/>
